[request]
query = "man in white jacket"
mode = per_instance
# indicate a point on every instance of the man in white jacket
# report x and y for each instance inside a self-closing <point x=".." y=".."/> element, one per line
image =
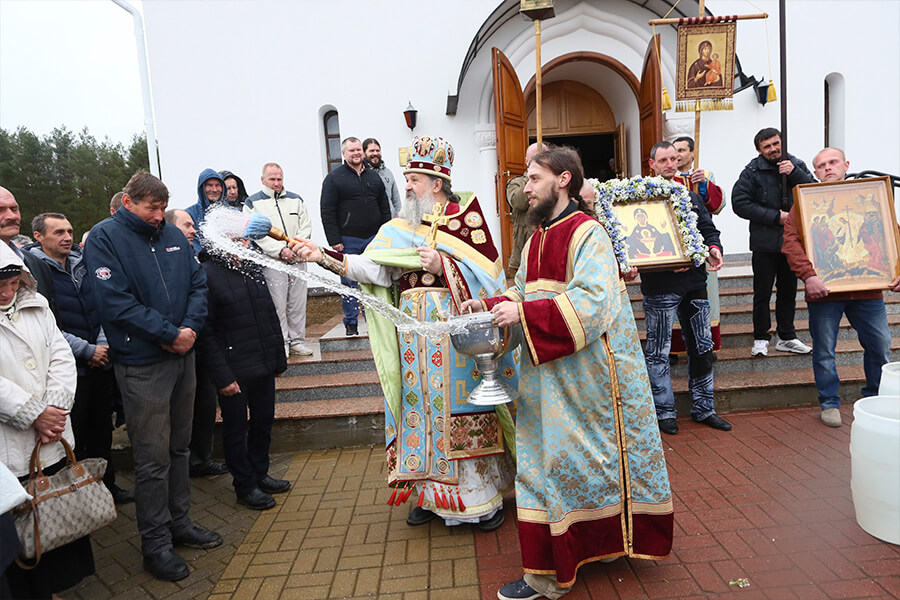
<point x="287" y="211"/>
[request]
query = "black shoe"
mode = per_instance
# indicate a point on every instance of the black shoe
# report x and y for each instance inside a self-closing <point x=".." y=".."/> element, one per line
<point x="209" y="469"/>
<point x="166" y="566"/>
<point x="121" y="496"/>
<point x="274" y="486"/>
<point x="669" y="426"/>
<point x="351" y="329"/>
<point x="257" y="500"/>
<point x="493" y="523"/>
<point x="419" y="516"/>
<point x="716" y="422"/>
<point x="197" y="537"/>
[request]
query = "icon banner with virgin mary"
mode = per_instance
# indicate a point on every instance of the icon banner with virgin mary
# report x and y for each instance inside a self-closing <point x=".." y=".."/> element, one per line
<point x="705" y="77"/>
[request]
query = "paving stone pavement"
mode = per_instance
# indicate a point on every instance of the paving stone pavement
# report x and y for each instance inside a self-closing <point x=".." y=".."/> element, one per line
<point x="768" y="502"/>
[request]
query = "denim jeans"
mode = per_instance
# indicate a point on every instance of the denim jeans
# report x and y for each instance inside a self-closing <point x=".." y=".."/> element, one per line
<point x="692" y="310"/>
<point x="350" y="306"/>
<point x="869" y="319"/>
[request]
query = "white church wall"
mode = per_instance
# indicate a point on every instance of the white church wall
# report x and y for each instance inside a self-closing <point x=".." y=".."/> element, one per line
<point x="245" y="83"/>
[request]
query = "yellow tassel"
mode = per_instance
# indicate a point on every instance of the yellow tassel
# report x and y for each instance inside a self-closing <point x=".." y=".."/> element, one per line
<point x="666" y="101"/>
<point x="771" y="97"/>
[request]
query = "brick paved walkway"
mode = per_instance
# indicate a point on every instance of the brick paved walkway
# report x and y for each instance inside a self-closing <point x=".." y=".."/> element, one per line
<point x="768" y="502"/>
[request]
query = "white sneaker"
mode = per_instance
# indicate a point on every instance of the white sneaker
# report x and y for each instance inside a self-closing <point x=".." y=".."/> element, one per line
<point x="287" y="350"/>
<point x="300" y="349"/>
<point x="794" y="345"/>
<point x="760" y="348"/>
<point x="832" y="417"/>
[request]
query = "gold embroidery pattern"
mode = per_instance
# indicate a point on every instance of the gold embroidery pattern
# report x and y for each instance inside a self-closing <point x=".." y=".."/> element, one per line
<point x="427" y="279"/>
<point x="454" y="225"/>
<point x="413" y="462"/>
<point x="478" y="236"/>
<point x="413" y="419"/>
<point x="411" y="378"/>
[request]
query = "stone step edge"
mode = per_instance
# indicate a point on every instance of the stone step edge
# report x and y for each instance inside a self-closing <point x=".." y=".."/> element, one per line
<point x="786" y="378"/>
<point x="850" y="346"/>
<point x="304" y="382"/>
<point x="321" y="409"/>
<point x="740" y="309"/>
<point x="733" y="329"/>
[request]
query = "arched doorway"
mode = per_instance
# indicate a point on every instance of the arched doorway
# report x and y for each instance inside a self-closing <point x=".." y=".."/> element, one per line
<point x="595" y="95"/>
<point x="579" y="116"/>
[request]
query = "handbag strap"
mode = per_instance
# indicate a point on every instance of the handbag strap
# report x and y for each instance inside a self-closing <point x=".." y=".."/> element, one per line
<point x="37" y="541"/>
<point x="34" y="465"/>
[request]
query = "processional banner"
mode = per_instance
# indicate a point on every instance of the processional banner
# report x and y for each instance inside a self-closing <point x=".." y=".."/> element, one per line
<point x="705" y="79"/>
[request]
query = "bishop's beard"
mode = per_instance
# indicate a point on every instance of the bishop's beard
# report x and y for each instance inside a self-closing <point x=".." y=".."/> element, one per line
<point x="414" y="209"/>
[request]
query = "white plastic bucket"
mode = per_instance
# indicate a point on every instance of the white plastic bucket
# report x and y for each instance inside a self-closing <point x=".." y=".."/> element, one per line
<point x="890" y="380"/>
<point x="875" y="466"/>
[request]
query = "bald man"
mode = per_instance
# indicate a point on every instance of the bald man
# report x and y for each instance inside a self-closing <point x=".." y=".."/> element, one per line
<point x="183" y="221"/>
<point x="10" y="222"/>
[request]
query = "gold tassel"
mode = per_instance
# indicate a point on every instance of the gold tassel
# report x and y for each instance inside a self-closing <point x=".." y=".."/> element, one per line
<point x="666" y="101"/>
<point x="771" y="97"/>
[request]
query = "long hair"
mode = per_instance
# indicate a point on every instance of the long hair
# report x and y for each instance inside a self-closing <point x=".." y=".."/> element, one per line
<point x="559" y="159"/>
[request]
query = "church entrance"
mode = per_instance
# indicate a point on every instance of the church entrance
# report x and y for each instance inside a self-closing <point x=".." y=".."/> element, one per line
<point x="589" y="101"/>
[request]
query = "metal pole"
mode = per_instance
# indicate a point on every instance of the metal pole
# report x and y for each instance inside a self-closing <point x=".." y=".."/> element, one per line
<point x="538" y="107"/>
<point x="144" y="68"/>
<point x="702" y="4"/>
<point x="782" y="35"/>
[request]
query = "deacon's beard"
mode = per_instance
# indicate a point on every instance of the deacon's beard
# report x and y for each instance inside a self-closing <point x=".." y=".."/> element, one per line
<point x="414" y="208"/>
<point x="543" y="208"/>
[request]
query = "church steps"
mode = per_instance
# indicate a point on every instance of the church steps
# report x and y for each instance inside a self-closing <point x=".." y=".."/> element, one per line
<point x="331" y="363"/>
<point x="738" y="360"/>
<point x="327" y="386"/>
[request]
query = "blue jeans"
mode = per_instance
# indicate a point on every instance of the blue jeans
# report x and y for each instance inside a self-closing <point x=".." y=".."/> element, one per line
<point x="692" y="310"/>
<point x="869" y="319"/>
<point x="350" y="306"/>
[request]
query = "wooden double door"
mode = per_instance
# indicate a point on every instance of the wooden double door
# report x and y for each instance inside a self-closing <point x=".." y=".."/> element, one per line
<point x="570" y="109"/>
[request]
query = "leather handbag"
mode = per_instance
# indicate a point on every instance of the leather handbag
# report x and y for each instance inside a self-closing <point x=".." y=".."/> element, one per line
<point x="65" y="506"/>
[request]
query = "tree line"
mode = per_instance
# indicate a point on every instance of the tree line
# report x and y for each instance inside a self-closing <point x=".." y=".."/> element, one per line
<point x="65" y="172"/>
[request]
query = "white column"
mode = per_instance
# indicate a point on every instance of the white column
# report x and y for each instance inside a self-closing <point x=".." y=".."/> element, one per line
<point x="486" y="140"/>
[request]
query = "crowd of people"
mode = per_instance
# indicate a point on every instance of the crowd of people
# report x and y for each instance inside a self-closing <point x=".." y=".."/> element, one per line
<point x="112" y="328"/>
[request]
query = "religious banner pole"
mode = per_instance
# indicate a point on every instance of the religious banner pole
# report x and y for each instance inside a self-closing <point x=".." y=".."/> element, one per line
<point x="702" y="4"/>
<point x="538" y="108"/>
<point x="782" y="34"/>
<point x="537" y="10"/>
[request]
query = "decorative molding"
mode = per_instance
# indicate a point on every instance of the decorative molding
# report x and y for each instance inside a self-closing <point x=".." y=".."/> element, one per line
<point x="677" y="124"/>
<point x="485" y="136"/>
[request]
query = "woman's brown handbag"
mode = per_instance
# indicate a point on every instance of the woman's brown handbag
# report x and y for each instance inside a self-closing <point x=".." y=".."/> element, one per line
<point x="66" y="506"/>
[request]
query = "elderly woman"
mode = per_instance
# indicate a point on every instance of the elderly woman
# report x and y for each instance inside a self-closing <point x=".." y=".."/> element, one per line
<point x="37" y="389"/>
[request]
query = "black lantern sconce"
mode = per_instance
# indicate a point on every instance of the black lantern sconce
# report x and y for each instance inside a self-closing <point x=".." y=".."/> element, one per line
<point x="410" y="115"/>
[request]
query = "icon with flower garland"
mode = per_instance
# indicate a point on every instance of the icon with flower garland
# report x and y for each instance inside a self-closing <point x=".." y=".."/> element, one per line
<point x="650" y="223"/>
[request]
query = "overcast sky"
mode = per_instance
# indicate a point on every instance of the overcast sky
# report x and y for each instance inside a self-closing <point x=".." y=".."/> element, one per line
<point x="72" y="63"/>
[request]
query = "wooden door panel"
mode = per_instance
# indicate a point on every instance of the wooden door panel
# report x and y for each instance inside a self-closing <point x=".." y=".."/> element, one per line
<point x="512" y="140"/>
<point x="650" y="103"/>
<point x="621" y="151"/>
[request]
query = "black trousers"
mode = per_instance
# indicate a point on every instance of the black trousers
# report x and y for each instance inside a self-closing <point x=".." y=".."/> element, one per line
<point x="92" y="418"/>
<point x="204" y="421"/>
<point x="246" y="443"/>
<point x="772" y="268"/>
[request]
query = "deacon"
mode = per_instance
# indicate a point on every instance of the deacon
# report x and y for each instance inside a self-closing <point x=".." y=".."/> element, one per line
<point x="865" y="310"/>
<point x="592" y="482"/>
<point x="702" y="183"/>
<point x="451" y="457"/>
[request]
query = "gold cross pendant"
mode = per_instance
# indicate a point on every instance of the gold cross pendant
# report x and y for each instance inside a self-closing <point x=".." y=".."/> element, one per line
<point x="437" y="219"/>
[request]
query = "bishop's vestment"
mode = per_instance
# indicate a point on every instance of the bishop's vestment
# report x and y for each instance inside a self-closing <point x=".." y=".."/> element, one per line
<point x="437" y="444"/>
<point x="592" y="480"/>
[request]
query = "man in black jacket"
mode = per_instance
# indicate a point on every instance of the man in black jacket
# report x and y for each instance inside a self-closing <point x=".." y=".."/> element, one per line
<point x="759" y="197"/>
<point x="354" y="205"/>
<point x="683" y="293"/>
<point x="241" y="351"/>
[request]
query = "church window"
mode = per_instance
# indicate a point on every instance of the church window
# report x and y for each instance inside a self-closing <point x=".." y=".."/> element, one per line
<point x="834" y="111"/>
<point x="332" y="132"/>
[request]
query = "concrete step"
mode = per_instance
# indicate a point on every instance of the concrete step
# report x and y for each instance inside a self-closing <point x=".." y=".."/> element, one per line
<point x="330" y="363"/>
<point x="727" y="297"/>
<point x="741" y="334"/>
<point x="743" y="313"/>
<point x="337" y="341"/>
<point x="327" y="387"/>
<point x="749" y="391"/>
<point x="738" y="359"/>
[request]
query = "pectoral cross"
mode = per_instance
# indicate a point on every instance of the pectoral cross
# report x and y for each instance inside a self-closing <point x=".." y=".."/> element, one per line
<point x="437" y="219"/>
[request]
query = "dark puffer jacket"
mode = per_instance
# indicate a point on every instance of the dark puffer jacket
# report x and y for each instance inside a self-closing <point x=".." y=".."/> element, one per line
<point x="242" y="336"/>
<point x="756" y="196"/>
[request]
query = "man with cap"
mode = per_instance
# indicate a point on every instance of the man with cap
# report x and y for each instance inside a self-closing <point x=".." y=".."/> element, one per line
<point x="436" y="254"/>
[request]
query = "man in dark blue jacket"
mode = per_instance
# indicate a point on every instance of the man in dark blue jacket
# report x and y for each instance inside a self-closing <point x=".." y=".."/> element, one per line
<point x="78" y="321"/>
<point x="151" y="297"/>
<point x="682" y="294"/>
